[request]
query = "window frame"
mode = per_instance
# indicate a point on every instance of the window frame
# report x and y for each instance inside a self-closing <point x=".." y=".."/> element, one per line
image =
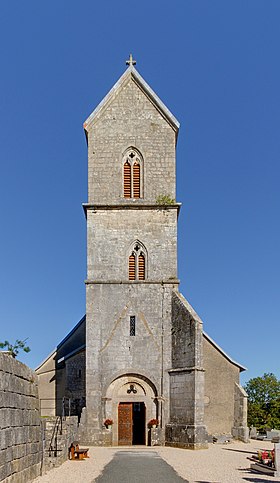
<point x="132" y="156"/>
<point x="137" y="250"/>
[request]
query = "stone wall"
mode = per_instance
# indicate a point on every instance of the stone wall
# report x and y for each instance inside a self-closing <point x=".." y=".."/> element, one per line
<point x="62" y="374"/>
<point x="58" y="434"/>
<point x="112" y="354"/>
<point x="76" y="377"/>
<point x="186" y="428"/>
<point x="240" y="429"/>
<point x="20" y="430"/>
<point x="130" y="119"/>
<point x="223" y="400"/>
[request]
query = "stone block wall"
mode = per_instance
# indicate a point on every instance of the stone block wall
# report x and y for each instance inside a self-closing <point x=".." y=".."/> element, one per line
<point x="76" y="376"/>
<point x="20" y="430"/>
<point x="130" y="120"/>
<point x="112" y="231"/>
<point x="186" y="427"/>
<point x="58" y="434"/>
<point x="240" y="429"/>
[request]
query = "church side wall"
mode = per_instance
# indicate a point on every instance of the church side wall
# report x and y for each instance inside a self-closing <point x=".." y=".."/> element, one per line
<point x="20" y="430"/>
<point x="47" y="383"/>
<point x="130" y="119"/>
<point x="75" y="376"/>
<point x="73" y="341"/>
<point x="220" y="378"/>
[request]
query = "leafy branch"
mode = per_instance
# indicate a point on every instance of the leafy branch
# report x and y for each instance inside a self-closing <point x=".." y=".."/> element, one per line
<point x="14" y="349"/>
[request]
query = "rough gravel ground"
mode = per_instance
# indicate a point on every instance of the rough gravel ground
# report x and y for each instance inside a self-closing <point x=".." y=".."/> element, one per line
<point x="225" y="463"/>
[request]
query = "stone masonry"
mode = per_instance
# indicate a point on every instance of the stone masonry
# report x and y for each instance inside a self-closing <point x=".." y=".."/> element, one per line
<point x="140" y="353"/>
<point x="132" y="117"/>
<point x="186" y="427"/>
<point x="20" y="430"/>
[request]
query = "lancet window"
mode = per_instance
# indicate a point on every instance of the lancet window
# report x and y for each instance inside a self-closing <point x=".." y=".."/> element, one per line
<point x="132" y="174"/>
<point x="137" y="266"/>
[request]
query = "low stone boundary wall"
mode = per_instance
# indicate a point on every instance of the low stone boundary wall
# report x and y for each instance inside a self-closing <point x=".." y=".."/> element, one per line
<point x="20" y="426"/>
<point x="58" y="434"/>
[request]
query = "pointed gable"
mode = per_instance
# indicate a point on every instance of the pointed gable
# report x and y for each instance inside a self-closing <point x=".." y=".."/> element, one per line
<point x="131" y="121"/>
<point x="132" y="74"/>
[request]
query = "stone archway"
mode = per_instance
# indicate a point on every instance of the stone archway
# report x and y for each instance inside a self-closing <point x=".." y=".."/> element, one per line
<point x="131" y="401"/>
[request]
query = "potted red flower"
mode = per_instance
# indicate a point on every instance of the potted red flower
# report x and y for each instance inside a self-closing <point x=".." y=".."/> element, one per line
<point x="108" y="423"/>
<point x="153" y="423"/>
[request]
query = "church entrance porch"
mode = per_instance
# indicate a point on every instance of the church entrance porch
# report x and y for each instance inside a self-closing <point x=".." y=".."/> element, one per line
<point x="131" y="423"/>
<point x="130" y="401"/>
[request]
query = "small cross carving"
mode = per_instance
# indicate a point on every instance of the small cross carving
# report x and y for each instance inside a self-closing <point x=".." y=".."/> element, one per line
<point x="131" y="61"/>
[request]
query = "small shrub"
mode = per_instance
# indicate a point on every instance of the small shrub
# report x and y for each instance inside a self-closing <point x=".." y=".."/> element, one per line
<point x="165" y="200"/>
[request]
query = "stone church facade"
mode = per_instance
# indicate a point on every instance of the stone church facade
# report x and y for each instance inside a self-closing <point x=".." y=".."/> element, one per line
<point x="140" y="352"/>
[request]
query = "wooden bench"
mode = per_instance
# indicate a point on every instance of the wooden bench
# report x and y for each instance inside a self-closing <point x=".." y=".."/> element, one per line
<point x="77" y="453"/>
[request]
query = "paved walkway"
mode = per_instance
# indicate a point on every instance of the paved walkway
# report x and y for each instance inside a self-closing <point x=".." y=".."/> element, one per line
<point x="138" y="467"/>
<point x="218" y="464"/>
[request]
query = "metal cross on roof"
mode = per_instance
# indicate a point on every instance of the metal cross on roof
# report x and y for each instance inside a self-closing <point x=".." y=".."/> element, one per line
<point x="131" y="61"/>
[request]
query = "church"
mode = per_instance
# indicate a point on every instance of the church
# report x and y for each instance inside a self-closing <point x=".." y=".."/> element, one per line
<point x="140" y="352"/>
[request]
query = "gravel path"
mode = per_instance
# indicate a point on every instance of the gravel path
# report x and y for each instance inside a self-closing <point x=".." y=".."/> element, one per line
<point x="219" y="464"/>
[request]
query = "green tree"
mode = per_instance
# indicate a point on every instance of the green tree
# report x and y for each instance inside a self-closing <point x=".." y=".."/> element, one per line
<point x="263" y="401"/>
<point x="16" y="347"/>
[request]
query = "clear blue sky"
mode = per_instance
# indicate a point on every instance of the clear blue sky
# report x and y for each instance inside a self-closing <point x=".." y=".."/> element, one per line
<point x="215" y="64"/>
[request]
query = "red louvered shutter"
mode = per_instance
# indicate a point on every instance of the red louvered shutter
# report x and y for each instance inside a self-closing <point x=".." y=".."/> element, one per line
<point x="127" y="180"/>
<point x="141" y="267"/>
<point x="136" y="180"/>
<point x="131" y="267"/>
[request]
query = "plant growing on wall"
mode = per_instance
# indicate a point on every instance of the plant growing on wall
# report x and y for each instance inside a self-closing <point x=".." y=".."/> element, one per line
<point x="14" y="349"/>
<point x="165" y="200"/>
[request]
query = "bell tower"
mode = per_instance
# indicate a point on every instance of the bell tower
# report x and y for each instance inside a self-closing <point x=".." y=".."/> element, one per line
<point x="131" y="259"/>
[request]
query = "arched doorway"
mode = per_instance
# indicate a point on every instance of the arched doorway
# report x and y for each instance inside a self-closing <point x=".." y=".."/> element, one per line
<point x="131" y="401"/>
<point x="131" y="423"/>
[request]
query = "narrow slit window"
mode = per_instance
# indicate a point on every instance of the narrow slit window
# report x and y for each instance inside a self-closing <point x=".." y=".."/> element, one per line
<point x="132" y="325"/>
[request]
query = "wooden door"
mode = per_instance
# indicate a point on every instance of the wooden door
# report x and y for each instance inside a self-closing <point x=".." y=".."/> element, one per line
<point x="125" y="423"/>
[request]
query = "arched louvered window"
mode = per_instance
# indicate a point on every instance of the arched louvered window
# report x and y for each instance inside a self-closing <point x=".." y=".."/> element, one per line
<point x="141" y="267"/>
<point x="136" y="180"/>
<point x="133" y="174"/>
<point x="137" y="268"/>
<point x="127" y="179"/>
<point x="132" y="267"/>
